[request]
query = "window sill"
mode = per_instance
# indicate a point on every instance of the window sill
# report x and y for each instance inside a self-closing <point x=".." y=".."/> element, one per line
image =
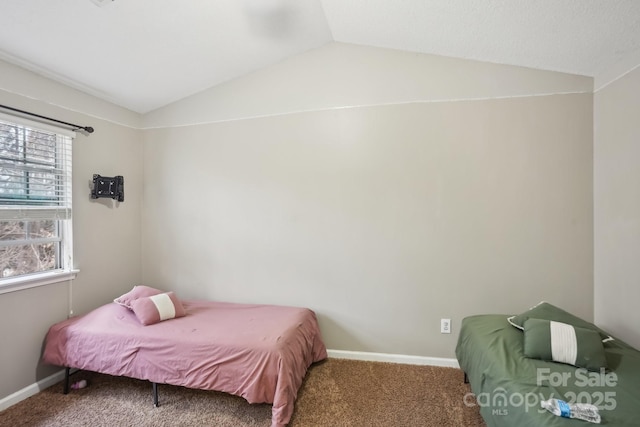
<point x="13" y="284"/>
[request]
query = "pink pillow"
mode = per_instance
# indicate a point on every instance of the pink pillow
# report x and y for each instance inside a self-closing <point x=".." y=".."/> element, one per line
<point x="156" y="308"/>
<point x="137" y="292"/>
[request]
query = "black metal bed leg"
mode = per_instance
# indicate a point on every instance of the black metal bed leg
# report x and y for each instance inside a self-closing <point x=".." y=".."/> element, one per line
<point x="466" y="378"/>
<point x="155" y="395"/>
<point x="67" y="373"/>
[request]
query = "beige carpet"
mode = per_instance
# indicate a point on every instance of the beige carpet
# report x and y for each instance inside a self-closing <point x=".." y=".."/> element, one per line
<point x="335" y="392"/>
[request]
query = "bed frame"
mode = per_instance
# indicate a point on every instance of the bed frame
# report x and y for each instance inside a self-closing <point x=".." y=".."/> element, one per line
<point x="67" y="386"/>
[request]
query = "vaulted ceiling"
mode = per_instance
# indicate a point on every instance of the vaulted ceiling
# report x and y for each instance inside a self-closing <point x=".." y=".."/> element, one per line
<point x="144" y="54"/>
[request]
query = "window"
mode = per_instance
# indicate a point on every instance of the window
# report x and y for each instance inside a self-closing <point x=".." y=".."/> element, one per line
<point x="35" y="200"/>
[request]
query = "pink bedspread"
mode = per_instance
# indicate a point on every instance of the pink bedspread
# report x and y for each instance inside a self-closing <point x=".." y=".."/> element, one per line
<point x="259" y="352"/>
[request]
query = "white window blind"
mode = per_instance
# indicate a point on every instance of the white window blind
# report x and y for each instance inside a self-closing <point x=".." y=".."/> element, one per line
<point x="35" y="170"/>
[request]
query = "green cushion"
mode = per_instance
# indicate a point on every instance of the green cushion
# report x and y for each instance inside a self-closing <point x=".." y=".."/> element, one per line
<point x="547" y="311"/>
<point x="564" y="343"/>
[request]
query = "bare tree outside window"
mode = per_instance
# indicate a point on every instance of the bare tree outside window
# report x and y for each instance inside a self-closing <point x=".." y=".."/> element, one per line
<point x="22" y="259"/>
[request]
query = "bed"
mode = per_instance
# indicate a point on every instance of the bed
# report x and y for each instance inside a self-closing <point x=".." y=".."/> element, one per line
<point x="508" y="386"/>
<point x="258" y="352"/>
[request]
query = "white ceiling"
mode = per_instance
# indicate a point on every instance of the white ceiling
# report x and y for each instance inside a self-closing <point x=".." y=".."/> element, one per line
<point x="144" y="54"/>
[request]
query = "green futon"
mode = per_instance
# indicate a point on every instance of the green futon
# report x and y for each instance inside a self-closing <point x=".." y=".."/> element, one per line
<point x="508" y="386"/>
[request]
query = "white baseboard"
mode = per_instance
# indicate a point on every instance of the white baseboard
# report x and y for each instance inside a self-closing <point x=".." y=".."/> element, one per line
<point x="394" y="358"/>
<point x="30" y="390"/>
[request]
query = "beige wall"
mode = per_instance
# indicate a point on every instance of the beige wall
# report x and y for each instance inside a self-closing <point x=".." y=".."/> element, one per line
<point x="340" y="75"/>
<point x="617" y="207"/>
<point x="383" y="189"/>
<point x="18" y="81"/>
<point x="389" y="201"/>
<point x="106" y="235"/>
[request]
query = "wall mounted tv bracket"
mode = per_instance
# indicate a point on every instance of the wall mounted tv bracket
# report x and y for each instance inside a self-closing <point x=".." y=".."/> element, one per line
<point x="104" y="186"/>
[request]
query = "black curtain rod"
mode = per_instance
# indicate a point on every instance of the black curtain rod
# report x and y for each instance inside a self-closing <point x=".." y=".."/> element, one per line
<point x="87" y="129"/>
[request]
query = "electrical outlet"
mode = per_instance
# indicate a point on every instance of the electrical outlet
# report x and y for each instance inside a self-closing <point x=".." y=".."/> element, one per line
<point x="445" y="326"/>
